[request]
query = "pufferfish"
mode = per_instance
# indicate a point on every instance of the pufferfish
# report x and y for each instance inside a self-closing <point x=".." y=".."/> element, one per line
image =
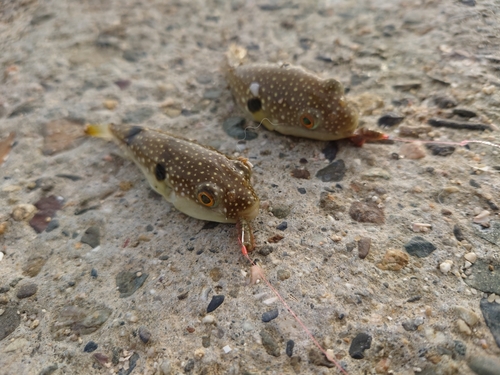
<point x="198" y="180"/>
<point x="290" y="100"/>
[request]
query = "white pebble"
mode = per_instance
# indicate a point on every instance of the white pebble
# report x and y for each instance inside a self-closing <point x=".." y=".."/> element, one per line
<point x="227" y="349"/>
<point x="492" y="297"/>
<point x="497" y="299"/>
<point x="208" y="319"/>
<point x="1" y="256"/>
<point x="445" y="267"/>
<point x="270" y="301"/>
<point x="471" y="257"/>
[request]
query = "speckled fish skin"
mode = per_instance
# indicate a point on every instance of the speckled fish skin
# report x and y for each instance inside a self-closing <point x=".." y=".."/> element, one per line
<point x="291" y="101"/>
<point x="199" y="181"/>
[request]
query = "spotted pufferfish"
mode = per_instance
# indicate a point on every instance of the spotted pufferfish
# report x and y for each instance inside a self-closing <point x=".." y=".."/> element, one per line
<point x="198" y="180"/>
<point x="292" y="101"/>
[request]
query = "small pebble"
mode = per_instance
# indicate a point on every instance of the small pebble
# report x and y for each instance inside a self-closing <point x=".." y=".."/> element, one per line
<point x="445" y="102"/>
<point x="93" y="273"/>
<point x="463" y="327"/>
<point x="390" y="119"/>
<point x="128" y="282"/>
<point x="144" y="334"/>
<point x="366" y="213"/>
<point x="333" y="172"/>
<point x="412" y="151"/>
<point x="189" y="365"/>
<point x="270" y="315"/>
<point x="226" y="349"/>
<point x="419" y="247"/>
<point x="215" y="303"/>
<point x="330" y="151"/>
<point x="394" y="260"/>
<point x="283" y="274"/>
<point x="289" y="348"/>
<point x="90" y="347"/>
<point x="412" y="324"/>
<point x="91" y="237"/>
<point x="236" y="127"/>
<point x="208" y="319"/>
<point x="457" y="232"/>
<point x="301" y="173"/>
<point x="445" y="266"/>
<point x="440" y="150"/>
<point x="471" y="257"/>
<point x="282" y="226"/>
<point x="26" y="290"/>
<point x="359" y="344"/>
<point x="23" y="212"/>
<point x="364" y="247"/>
<point x="166" y="368"/>
<point x="205" y="341"/>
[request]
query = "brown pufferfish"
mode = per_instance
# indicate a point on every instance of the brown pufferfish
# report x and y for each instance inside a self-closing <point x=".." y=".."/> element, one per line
<point x="198" y="180"/>
<point x="289" y="99"/>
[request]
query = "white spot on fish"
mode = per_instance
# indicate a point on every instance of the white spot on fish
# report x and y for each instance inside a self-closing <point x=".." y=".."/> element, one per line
<point x="254" y="88"/>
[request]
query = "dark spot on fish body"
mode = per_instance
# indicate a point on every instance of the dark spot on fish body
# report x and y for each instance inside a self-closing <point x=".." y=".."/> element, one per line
<point x="134" y="130"/>
<point x="254" y="105"/>
<point x="160" y="172"/>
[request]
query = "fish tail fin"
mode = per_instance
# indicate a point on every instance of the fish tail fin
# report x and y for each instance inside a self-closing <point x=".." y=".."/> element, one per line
<point x="98" y="130"/>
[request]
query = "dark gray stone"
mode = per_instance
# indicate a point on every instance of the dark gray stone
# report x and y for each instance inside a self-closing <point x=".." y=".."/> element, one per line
<point x="484" y="365"/>
<point x="90" y="347"/>
<point x="460" y="348"/>
<point x="9" y="321"/>
<point x="419" y="247"/>
<point x="128" y="282"/>
<point x="281" y="212"/>
<point x="359" y="344"/>
<point x="412" y="324"/>
<point x="91" y="237"/>
<point x="289" y="348"/>
<point x="27" y="290"/>
<point x="144" y="334"/>
<point x="270" y="315"/>
<point x="236" y="127"/>
<point x="333" y="172"/>
<point x="282" y="226"/>
<point x="390" y="119"/>
<point x="482" y="278"/>
<point x="215" y="303"/>
<point x="491" y="234"/>
<point x="491" y="313"/>
<point x="53" y="224"/>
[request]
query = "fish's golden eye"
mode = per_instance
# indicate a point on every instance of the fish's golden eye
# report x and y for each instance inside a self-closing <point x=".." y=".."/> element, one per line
<point x="206" y="199"/>
<point x="307" y="121"/>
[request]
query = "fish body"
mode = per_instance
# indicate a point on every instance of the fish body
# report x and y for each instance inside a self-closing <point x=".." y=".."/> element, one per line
<point x="290" y="100"/>
<point x="199" y="181"/>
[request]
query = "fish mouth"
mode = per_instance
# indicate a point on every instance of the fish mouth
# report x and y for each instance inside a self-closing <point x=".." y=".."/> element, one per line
<point x="251" y="212"/>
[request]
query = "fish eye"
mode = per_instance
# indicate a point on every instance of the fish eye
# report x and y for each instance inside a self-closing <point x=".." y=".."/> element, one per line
<point x="206" y="198"/>
<point x="307" y="121"/>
